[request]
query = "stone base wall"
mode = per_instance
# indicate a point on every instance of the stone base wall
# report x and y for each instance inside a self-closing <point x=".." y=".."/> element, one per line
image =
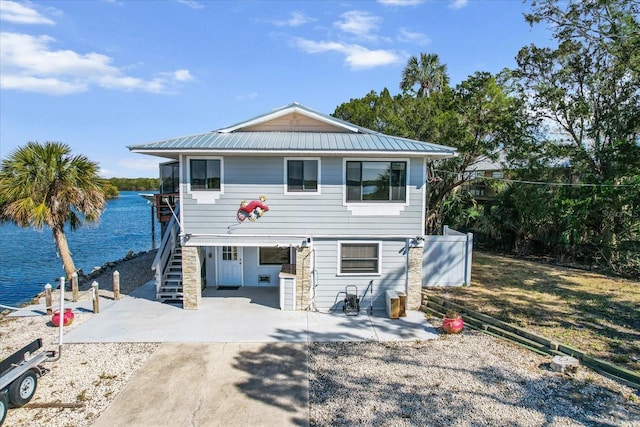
<point x="303" y="278"/>
<point x="191" y="277"/>
<point x="415" y="278"/>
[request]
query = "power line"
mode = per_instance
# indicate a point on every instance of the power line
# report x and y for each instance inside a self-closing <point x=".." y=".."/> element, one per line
<point x="552" y="184"/>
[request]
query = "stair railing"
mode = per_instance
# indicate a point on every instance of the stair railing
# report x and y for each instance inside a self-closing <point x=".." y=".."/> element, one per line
<point x="165" y="250"/>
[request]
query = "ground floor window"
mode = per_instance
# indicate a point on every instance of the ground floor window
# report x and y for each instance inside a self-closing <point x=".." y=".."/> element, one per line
<point x="274" y="256"/>
<point x="359" y="258"/>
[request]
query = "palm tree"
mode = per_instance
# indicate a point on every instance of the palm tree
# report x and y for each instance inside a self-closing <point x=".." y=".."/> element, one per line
<point x="429" y="74"/>
<point x="43" y="184"/>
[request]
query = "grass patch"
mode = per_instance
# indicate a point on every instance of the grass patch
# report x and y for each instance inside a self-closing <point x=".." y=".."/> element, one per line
<point x="591" y="312"/>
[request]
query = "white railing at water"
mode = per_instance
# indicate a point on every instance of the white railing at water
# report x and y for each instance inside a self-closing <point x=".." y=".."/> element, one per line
<point x="163" y="255"/>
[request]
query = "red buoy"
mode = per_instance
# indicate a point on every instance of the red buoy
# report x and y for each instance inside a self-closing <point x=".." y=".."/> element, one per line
<point x="67" y="317"/>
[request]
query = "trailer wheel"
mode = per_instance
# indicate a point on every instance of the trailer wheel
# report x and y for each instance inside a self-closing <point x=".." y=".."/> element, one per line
<point x="22" y="390"/>
<point x="4" y="404"/>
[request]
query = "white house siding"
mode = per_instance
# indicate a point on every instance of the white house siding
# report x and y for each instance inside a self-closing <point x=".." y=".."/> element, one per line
<point x="210" y="217"/>
<point x="330" y="284"/>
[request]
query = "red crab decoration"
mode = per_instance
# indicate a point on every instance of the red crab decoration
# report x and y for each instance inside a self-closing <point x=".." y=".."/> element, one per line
<point x="252" y="210"/>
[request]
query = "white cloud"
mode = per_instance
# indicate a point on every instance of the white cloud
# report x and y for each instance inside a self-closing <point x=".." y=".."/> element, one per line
<point x="458" y="4"/>
<point x="29" y="63"/>
<point x="356" y="56"/>
<point x="182" y="75"/>
<point x="400" y="2"/>
<point x="407" y="36"/>
<point x="295" y="20"/>
<point x="359" y="23"/>
<point x="51" y="86"/>
<point x="192" y="4"/>
<point x="18" y="13"/>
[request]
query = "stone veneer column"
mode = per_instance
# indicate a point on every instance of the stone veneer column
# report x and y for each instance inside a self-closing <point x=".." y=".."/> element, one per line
<point x="303" y="276"/>
<point x="191" y="278"/>
<point x="414" y="297"/>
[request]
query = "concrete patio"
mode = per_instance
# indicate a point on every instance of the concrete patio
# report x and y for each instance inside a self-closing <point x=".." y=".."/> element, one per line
<point x="242" y="359"/>
<point x="244" y="315"/>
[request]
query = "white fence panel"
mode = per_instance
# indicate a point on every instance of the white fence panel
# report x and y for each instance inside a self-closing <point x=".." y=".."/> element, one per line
<point x="446" y="259"/>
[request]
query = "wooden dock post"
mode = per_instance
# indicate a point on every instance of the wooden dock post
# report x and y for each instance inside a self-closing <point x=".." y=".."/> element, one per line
<point x="116" y="285"/>
<point x="48" y="299"/>
<point x="74" y="287"/>
<point x="96" y="298"/>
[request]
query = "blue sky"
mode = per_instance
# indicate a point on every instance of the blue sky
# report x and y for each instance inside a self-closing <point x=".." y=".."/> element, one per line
<point x="102" y="75"/>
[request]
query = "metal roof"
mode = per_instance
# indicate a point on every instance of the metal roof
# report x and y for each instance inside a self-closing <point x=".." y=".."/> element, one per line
<point x="348" y="139"/>
<point x="289" y="142"/>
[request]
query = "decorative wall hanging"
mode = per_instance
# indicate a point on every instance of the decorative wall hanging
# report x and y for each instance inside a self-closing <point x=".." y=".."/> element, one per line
<point x="252" y="210"/>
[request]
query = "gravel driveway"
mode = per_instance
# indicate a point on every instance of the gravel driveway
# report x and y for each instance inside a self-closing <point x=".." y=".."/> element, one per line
<point x="458" y="380"/>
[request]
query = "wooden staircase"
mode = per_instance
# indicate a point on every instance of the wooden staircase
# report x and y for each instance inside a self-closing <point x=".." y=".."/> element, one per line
<point x="170" y="289"/>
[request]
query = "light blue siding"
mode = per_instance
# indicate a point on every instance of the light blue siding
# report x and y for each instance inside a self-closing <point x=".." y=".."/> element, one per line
<point x="330" y="285"/>
<point x="301" y="214"/>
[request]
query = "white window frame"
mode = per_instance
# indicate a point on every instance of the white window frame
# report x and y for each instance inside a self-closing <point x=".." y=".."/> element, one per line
<point x="367" y="242"/>
<point x="378" y="208"/>
<point x="204" y="196"/>
<point x="286" y="177"/>
<point x="379" y="203"/>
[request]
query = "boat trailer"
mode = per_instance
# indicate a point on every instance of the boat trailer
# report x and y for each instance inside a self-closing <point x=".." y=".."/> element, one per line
<point x="20" y="371"/>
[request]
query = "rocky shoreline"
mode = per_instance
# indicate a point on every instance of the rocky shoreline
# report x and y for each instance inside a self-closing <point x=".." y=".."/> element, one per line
<point x="134" y="269"/>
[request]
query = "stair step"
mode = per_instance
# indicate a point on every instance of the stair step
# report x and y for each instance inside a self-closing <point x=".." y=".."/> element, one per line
<point x="170" y="288"/>
<point x="170" y="298"/>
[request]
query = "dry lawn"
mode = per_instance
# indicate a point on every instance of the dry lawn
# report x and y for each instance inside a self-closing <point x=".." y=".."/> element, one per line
<point x="594" y="313"/>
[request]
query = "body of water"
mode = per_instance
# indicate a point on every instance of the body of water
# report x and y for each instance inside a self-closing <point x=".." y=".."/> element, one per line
<point x="29" y="259"/>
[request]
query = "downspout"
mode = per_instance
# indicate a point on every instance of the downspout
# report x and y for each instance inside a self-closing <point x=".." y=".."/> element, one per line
<point x="406" y="267"/>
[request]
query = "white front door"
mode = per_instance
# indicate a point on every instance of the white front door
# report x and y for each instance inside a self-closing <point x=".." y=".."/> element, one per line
<point x="230" y="266"/>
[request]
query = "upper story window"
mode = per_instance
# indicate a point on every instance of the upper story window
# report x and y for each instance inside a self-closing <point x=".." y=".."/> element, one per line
<point x="205" y="174"/>
<point x="376" y="181"/>
<point x="169" y="177"/>
<point x="302" y="175"/>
